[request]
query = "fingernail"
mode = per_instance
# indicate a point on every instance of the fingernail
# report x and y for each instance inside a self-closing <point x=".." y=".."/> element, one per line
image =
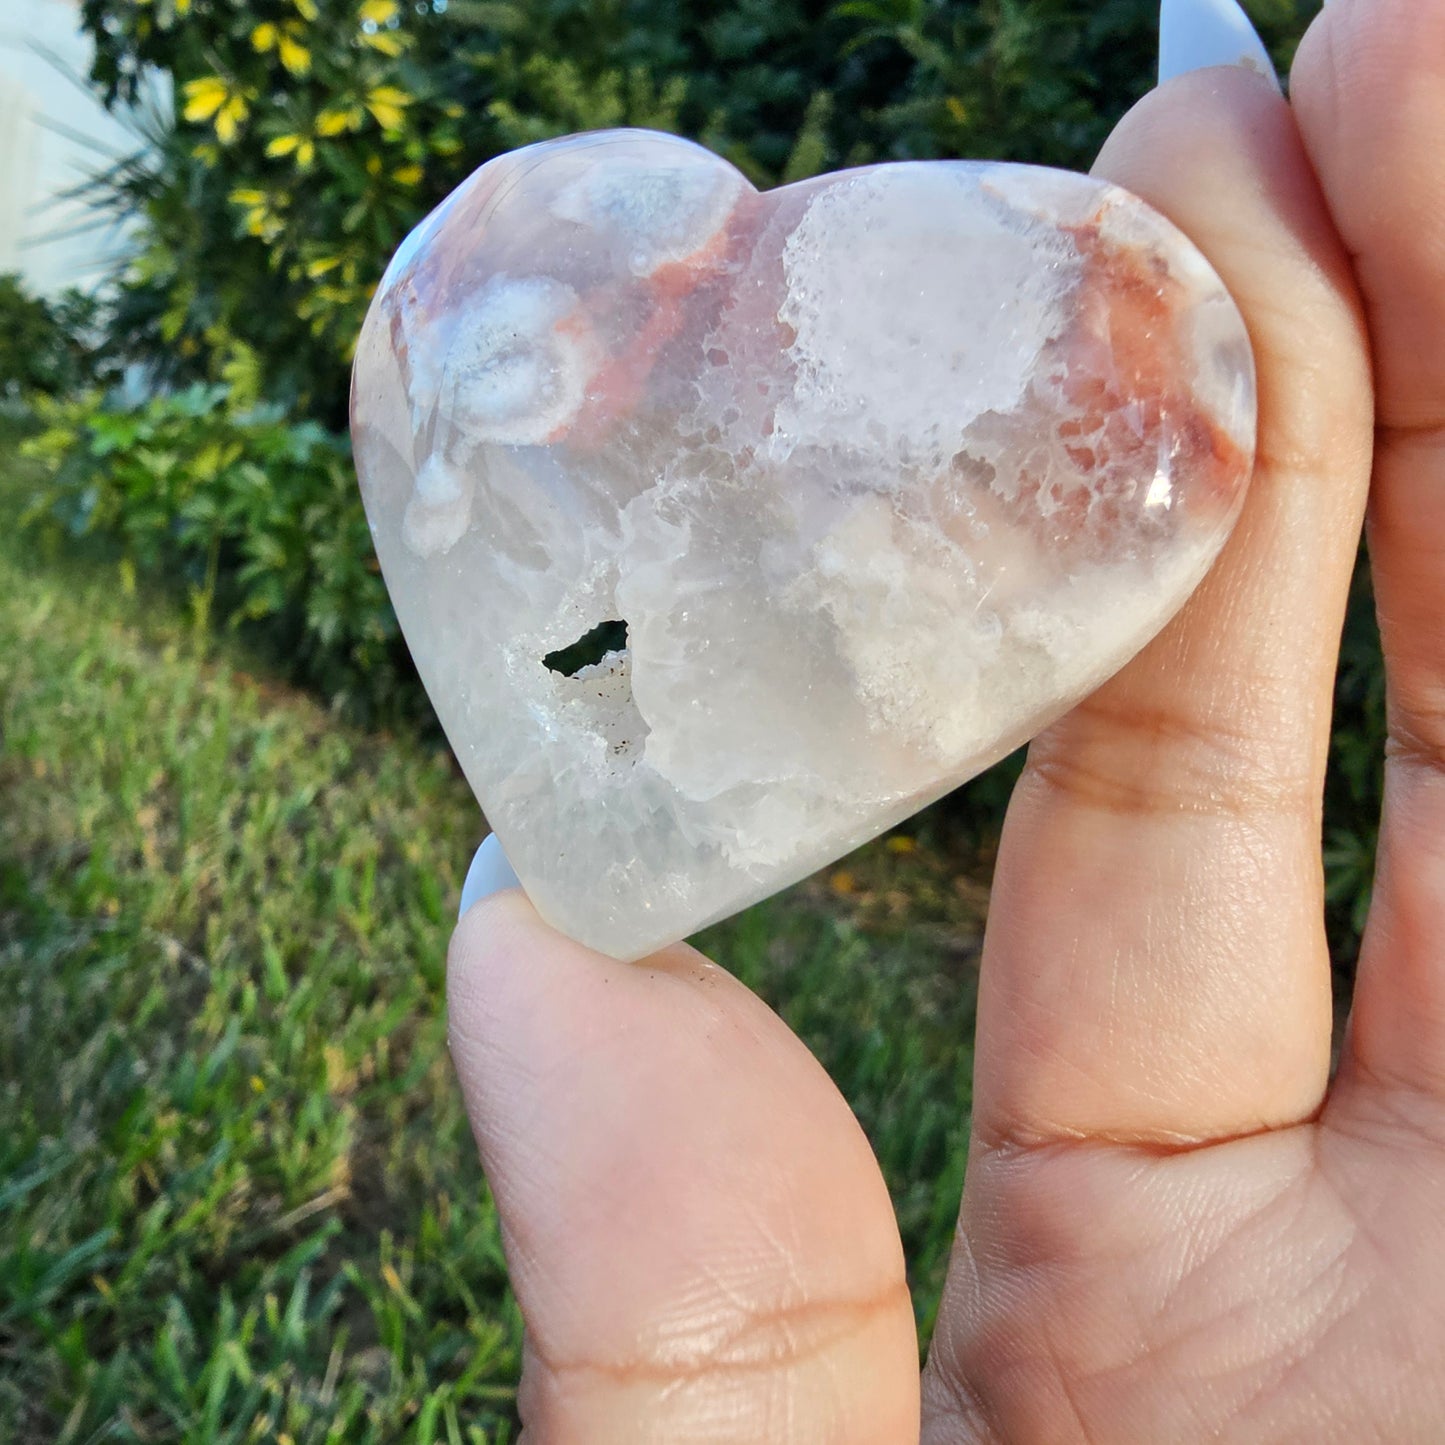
<point x="490" y="873"/>
<point x="1195" y="34"/>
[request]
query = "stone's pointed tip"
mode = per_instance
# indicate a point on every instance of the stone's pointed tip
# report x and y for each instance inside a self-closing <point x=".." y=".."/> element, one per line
<point x="1195" y="34"/>
<point x="490" y="873"/>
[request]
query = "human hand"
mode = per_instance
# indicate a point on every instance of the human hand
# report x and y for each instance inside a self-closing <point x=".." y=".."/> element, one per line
<point x="1175" y="1226"/>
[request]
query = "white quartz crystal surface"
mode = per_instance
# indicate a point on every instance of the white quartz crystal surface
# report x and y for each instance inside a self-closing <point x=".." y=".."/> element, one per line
<point x="881" y="471"/>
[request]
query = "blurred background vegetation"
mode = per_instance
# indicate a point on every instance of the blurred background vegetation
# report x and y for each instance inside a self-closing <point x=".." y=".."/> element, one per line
<point x="238" y="1200"/>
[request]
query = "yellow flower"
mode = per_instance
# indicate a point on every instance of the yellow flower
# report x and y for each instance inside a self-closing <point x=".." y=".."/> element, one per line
<point x="302" y="147"/>
<point x="386" y="41"/>
<point x="332" y="121"/>
<point x="229" y="118"/>
<point x="204" y="97"/>
<point x="322" y="265"/>
<point x="378" y="12"/>
<point x="294" y="56"/>
<point x="211" y="98"/>
<point x="243" y="196"/>
<point x="388" y="105"/>
<point x="183" y="7"/>
<point x="306" y="9"/>
<point x="265" y="224"/>
<point x="283" y="39"/>
<point x="408" y="175"/>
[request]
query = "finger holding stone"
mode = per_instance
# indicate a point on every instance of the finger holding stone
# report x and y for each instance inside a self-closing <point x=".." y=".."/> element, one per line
<point x="697" y="1232"/>
<point x="1369" y="87"/>
<point x="1156" y="968"/>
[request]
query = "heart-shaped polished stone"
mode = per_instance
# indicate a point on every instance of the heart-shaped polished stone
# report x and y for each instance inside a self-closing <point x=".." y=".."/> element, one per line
<point x="728" y="529"/>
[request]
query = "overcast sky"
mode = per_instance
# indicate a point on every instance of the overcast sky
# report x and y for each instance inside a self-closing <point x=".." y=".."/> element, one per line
<point x="52" y="135"/>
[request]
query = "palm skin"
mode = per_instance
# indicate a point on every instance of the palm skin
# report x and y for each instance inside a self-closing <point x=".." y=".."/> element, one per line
<point x="1175" y="1226"/>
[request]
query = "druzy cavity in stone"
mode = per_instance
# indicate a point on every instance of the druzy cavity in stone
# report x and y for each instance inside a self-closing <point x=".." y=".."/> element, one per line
<point x="728" y="529"/>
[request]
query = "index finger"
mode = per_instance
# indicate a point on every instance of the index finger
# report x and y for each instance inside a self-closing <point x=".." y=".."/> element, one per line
<point x="1156" y="968"/>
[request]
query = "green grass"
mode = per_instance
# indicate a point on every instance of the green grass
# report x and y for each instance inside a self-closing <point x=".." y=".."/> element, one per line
<point x="238" y="1197"/>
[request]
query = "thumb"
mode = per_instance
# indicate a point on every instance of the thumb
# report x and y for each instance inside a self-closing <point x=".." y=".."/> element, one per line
<point x="699" y="1237"/>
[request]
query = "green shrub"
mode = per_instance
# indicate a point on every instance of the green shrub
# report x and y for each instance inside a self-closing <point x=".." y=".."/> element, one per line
<point x="1355" y="791"/>
<point x="47" y="348"/>
<point x="314" y="133"/>
<point x="257" y="515"/>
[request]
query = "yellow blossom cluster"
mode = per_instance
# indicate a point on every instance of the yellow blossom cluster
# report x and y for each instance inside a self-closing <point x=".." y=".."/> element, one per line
<point x="214" y="99"/>
<point x="227" y="104"/>
<point x="287" y="41"/>
<point x="322" y="138"/>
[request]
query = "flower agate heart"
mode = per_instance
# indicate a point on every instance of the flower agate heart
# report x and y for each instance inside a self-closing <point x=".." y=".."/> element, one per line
<point x="871" y="477"/>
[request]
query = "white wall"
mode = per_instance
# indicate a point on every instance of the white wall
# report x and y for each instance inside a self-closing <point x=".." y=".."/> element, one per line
<point x="38" y="162"/>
